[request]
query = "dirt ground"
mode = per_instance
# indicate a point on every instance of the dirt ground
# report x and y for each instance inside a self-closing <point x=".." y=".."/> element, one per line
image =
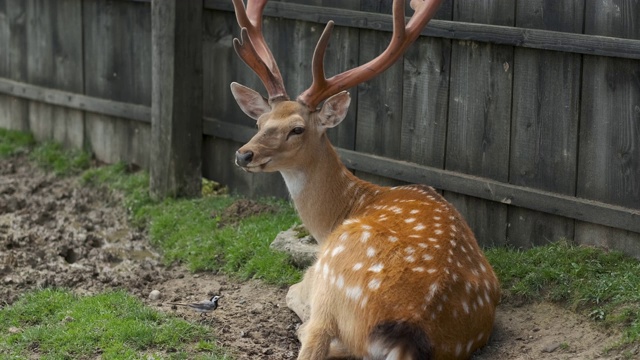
<point x="56" y="233"/>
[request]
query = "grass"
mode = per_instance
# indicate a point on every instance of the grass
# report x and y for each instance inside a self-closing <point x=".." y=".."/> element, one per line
<point x="14" y="142"/>
<point x="602" y="285"/>
<point x="56" y="324"/>
<point x="186" y="232"/>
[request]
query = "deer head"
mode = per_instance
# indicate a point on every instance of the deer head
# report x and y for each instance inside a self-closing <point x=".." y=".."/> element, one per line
<point x="284" y="125"/>
<point x="399" y="273"/>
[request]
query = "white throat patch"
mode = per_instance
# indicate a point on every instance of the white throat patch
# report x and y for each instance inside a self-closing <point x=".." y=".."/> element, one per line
<point x="295" y="181"/>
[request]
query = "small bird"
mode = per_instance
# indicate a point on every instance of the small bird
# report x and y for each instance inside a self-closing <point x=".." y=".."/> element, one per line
<point x="203" y="307"/>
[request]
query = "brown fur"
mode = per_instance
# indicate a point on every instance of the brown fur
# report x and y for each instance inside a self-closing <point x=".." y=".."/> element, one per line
<point x="391" y="258"/>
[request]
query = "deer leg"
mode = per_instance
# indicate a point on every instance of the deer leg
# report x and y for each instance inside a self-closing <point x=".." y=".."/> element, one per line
<point x="315" y="340"/>
<point x="299" y="296"/>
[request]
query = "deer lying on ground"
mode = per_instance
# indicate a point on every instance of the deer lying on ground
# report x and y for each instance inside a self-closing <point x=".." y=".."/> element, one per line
<point x="399" y="274"/>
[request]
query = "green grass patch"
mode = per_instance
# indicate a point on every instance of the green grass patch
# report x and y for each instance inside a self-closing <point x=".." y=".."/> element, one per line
<point x="52" y="157"/>
<point x="56" y="324"/>
<point x="14" y="142"/>
<point x="603" y="285"/>
<point x="186" y="231"/>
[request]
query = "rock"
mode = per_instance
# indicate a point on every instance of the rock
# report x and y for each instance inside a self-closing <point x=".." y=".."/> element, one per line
<point x="301" y="250"/>
<point x="155" y="295"/>
<point x="14" y="330"/>
<point x="551" y="347"/>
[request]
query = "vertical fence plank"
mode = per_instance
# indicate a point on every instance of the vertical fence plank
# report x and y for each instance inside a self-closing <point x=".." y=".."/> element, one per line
<point x="176" y="105"/>
<point x="544" y="131"/>
<point x="54" y="48"/>
<point x="118" y="58"/>
<point x="379" y="124"/>
<point x="13" y="62"/>
<point x="609" y="153"/>
<point x="479" y="115"/>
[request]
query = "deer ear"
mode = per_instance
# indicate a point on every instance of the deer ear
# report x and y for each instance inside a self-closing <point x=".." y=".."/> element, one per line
<point x="250" y="101"/>
<point x="334" y="110"/>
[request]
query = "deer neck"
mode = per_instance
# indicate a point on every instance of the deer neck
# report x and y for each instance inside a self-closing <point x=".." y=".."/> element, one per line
<point x="325" y="192"/>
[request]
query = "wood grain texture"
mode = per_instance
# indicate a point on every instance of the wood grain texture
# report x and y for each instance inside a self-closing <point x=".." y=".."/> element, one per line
<point x="544" y="130"/>
<point x="54" y="48"/>
<point x="479" y="115"/>
<point x="472" y="31"/>
<point x="176" y="105"/>
<point x="118" y="56"/>
<point x="13" y="64"/>
<point x="609" y="151"/>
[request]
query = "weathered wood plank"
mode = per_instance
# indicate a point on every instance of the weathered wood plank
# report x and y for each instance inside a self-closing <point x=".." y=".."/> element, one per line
<point x="544" y="125"/>
<point x="176" y="106"/>
<point x="54" y="45"/>
<point x="379" y="109"/>
<point x="479" y="116"/>
<point x="478" y="187"/>
<point x="426" y="74"/>
<point x="75" y="101"/>
<point x="13" y="63"/>
<point x="118" y="55"/>
<point x="459" y="30"/>
<point x="609" y="155"/>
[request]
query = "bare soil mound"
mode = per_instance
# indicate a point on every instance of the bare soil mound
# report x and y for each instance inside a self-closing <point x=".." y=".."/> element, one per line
<point x="55" y="233"/>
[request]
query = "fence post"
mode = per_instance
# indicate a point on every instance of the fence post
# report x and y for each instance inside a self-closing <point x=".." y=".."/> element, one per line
<point x="176" y="105"/>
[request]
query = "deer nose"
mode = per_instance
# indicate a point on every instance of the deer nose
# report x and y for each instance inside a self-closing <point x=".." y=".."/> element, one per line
<point x="243" y="159"/>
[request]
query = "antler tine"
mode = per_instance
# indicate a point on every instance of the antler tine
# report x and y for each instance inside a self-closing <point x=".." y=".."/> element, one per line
<point x="403" y="36"/>
<point x="253" y="49"/>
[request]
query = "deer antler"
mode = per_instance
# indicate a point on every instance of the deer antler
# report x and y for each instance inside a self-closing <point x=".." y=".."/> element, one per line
<point x="253" y="49"/>
<point x="322" y="88"/>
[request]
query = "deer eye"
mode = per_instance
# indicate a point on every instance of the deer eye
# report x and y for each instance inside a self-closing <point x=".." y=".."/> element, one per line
<point x="297" y="130"/>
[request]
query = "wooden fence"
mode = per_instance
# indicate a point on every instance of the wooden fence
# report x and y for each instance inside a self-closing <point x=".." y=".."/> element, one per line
<point x="525" y="113"/>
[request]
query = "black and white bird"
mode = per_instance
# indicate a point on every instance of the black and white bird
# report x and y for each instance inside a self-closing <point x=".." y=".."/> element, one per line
<point x="202" y="307"/>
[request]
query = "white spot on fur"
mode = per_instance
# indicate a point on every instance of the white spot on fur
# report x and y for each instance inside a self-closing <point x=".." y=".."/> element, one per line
<point x="410" y="258"/>
<point x="423" y="245"/>
<point x="437" y="218"/>
<point x="432" y="271"/>
<point x="374" y="284"/>
<point x="366" y="227"/>
<point x="465" y="307"/>
<point x="340" y="282"/>
<point x="364" y="301"/>
<point x="371" y="252"/>
<point x="414" y="211"/>
<point x="344" y="236"/>
<point x="409" y="220"/>
<point x="325" y="271"/>
<point x="376" y="268"/>
<point x="419" y="227"/>
<point x="418" y="269"/>
<point x="357" y="266"/>
<point x="438" y="232"/>
<point x="393" y="238"/>
<point x="409" y="250"/>
<point x="364" y="237"/>
<point x="337" y="250"/>
<point x="432" y="239"/>
<point x="353" y="292"/>
<point x="427" y="257"/>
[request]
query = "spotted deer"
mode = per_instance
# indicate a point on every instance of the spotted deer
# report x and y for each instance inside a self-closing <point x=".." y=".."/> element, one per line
<point x="399" y="274"/>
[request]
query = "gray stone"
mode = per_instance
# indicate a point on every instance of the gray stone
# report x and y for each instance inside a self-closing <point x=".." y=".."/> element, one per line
<point x="301" y="249"/>
<point x="155" y="295"/>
